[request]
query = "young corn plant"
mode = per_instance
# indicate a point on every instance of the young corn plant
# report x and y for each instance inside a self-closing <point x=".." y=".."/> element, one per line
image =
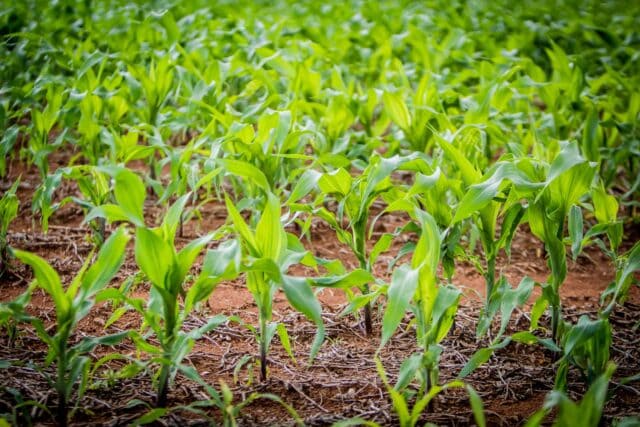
<point x="43" y="122"/>
<point x="585" y="346"/>
<point x="410" y="416"/>
<point x="72" y="305"/>
<point x="9" y="204"/>
<point x="269" y="251"/>
<point x="588" y="410"/>
<point x="94" y="185"/>
<point x="415" y="286"/>
<point x="167" y="270"/>
<point x="552" y="191"/>
<point x="155" y="84"/>
<point x="568" y="179"/>
<point x="418" y="123"/>
<point x="351" y="221"/>
<point x="486" y="200"/>
<point x="618" y="291"/>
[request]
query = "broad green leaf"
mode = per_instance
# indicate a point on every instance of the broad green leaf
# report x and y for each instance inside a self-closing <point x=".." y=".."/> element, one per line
<point x="354" y="278"/>
<point x="112" y="213"/>
<point x="130" y="194"/>
<point x="270" y="236"/>
<point x="285" y="341"/>
<point x="336" y="182"/>
<point x="241" y="227"/>
<point x="444" y="311"/>
<point x="154" y="256"/>
<point x="304" y="185"/>
<point x="397" y="110"/>
<point x="590" y="140"/>
<point x="575" y="230"/>
<point x="47" y="279"/>
<point x="173" y="216"/>
<point x="480" y="357"/>
<point x="605" y="205"/>
<point x="187" y="255"/>
<point x="468" y="172"/>
<point x="302" y="298"/>
<point x="382" y="245"/>
<point x="404" y="282"/>
<point x="247" y="171"/>
<point x="108" y="262"/>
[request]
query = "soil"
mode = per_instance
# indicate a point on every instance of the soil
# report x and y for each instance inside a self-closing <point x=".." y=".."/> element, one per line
<point x="342" y="382"/>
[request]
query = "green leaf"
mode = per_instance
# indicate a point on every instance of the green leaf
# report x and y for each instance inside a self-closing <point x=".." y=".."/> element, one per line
<point x="284" y="340"/>
<point x="304" y="185"/>
<point x="187" y="255"/>
<point x="247" y="171"/>
<point x="151" y="416"/>
<point x="337" y="182"/>
<point x="355" y="278"/>
<point x="444" y="311"/>
<point x="271" y="239"/>
<point x="476" y="406"/>
<point x="408" y="370"/>
<point x="111" y="213"/>
<point x="590" y="140"/>
<point x="480" y="357"/>
<point x="605" y="205"/>
<point x="47" y="279"/>
<point x="172" y="218"/>
<point x="154" y="256"/>
<point x="575" y="230"/>
<point x="130" y="194"/>
<point x="241" y="227"/>
<point x="302" y="298"/>
<point x="382" y="245"/>
<point x="404" y="283"/>
<point x="397" y="110"/>
<point x="107" y="264"/>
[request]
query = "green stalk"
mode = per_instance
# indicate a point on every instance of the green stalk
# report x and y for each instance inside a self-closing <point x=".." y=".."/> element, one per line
<point x="265" y="316"/>
<point x="61" y="382"/>
<point x="263" y="347"/>
<point x="556" y="315"/>
<point x="61" y="412"/>
<point x="556" y="305"/>
<point x="102" y="227"/>
<point x="368" y="324"/>
<point x="360" y="230"/>
<point x="490" y="276"/>
<point x="165" y="370"/>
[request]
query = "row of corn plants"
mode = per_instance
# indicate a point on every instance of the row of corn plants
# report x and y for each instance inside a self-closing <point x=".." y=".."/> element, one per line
<point x="470" y="122"/>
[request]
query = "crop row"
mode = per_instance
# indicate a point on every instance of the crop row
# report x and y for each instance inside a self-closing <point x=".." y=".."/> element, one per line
<point x="468" y="122"/>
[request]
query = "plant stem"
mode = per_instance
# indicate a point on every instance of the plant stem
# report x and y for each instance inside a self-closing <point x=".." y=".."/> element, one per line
<point x="263" y="348"/>
<point x="165" y="370"/>
<point x="61" y="411"/>
<point x="556" y="316"/>
<point x="368" y="324"/>
<point x="102" y="227"/>
<point x="163" y="382"/>
<point x="490" y="277"/>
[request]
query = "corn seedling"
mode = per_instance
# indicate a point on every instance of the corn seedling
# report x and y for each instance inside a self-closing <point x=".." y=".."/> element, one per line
<point x="416" y="286"/>
<point x="355" y="198"/>
<point x="72" y="305"/>
<point x="269" y="252"/>
<point x="588" y="410"/>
